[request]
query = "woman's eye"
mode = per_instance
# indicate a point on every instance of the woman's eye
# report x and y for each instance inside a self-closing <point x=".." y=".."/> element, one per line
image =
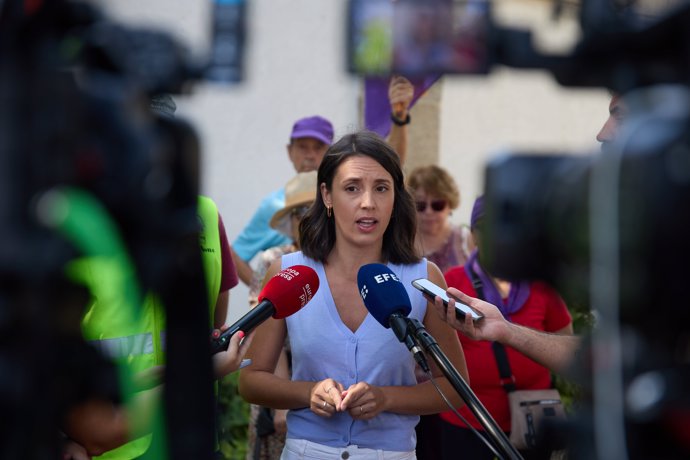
<point x="351" y="188"/>
<point x="382" y="188"/>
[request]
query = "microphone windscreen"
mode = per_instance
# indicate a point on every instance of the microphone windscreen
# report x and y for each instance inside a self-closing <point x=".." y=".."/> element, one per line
<point x="383" y="292"/>
<point x="290" y="289"/>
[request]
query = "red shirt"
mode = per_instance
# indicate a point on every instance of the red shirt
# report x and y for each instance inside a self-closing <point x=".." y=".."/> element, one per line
<point x="544" y="310"/>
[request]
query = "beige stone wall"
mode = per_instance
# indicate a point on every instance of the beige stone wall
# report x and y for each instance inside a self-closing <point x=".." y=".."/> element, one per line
<point x="424" y="131"/>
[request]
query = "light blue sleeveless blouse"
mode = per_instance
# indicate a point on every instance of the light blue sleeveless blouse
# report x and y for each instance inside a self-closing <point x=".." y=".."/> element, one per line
<point x="322" y="347"/>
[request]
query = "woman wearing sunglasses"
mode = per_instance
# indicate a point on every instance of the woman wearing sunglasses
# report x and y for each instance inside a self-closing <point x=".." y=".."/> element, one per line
<point x="436" y="195"/>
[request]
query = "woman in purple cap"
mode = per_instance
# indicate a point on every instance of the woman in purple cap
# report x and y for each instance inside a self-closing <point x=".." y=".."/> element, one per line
<point x="531" y="304"/>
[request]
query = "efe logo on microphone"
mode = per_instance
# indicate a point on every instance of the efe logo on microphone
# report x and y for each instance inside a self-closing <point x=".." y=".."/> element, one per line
<point x="383" y="277"/>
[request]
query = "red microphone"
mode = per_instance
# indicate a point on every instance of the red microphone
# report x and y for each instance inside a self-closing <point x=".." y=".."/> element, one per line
<point x="284" y="294"/>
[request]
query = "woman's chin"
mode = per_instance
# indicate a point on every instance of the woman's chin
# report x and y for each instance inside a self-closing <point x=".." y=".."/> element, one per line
<point x="431" y="228"/>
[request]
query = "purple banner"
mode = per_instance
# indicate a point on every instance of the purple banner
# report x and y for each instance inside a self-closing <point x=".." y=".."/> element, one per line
<point x="377" y="109"/>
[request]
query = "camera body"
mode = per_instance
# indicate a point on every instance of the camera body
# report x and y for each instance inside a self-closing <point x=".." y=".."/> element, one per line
<point x="76" y="115"/>
<point x="610" y="230"/>
<point x="553" y="217"/>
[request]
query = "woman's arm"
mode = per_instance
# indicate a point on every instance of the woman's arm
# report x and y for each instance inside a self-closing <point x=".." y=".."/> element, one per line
<point x="280" y="415"/>
<point x="400" y="94"/>
<point x="244" y="270"/>
<point x="220" y="313"/>
<point x="100" y="425"/>
<point x="258" y="383"/>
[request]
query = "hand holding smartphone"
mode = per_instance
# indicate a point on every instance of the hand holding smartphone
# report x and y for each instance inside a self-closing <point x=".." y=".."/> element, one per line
<point x="430" y="291"/>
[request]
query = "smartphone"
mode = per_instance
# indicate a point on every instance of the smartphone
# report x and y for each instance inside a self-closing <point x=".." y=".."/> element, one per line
<point x="417" y="38"/>
<point x="430" y="291"/>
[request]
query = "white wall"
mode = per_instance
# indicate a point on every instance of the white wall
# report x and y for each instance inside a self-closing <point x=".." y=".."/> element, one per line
<point x="512" y="111"/>
<point x="517" y="110"/>
<point x="295" y="68"/>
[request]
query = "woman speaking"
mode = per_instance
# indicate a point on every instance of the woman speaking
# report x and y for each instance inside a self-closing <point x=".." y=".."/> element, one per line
<point x="353" y="392"/>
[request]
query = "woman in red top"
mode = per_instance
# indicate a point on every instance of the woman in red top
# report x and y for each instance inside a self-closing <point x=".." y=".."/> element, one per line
<point x="531" y="304"/>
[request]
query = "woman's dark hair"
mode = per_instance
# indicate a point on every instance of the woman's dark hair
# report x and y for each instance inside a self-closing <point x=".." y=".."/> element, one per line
<point x="317" y="230"/>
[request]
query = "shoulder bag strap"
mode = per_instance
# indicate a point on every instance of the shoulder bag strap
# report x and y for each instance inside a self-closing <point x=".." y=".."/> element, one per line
<point x="506" y="374"/>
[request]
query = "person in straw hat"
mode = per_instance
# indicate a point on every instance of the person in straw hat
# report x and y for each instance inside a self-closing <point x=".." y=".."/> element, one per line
<point x="267" y="427"/>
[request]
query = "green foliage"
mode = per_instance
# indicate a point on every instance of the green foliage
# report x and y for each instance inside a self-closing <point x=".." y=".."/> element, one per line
<point x="571" y="393"/>
<point x="583" y="321"/>
<point x="232" y="420"/>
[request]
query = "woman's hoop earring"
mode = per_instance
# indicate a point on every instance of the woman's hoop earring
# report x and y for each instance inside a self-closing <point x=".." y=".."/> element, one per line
<point x="329" y="213"/>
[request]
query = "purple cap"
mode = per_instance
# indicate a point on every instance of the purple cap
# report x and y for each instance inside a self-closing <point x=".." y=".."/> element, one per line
<point x="316" y="127"/>
<point x="477" y="211"/>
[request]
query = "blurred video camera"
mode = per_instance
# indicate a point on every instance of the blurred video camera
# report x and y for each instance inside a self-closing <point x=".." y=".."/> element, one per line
<point x="612" y="228"/>
<point x="76" y="114"/>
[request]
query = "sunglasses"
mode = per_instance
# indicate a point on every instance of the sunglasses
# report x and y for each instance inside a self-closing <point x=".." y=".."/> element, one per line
<point x="436" y="205"/>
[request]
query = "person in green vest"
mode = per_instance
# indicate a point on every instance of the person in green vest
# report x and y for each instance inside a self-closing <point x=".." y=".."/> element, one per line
<point x="103" y="428"/>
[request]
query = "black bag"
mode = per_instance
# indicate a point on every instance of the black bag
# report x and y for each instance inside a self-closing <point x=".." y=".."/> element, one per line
<point x="264" y="427"/>
<point x="264" y="423"/>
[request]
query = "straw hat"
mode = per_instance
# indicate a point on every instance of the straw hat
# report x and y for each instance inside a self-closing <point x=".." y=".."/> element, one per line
<point x="299" y="191"/>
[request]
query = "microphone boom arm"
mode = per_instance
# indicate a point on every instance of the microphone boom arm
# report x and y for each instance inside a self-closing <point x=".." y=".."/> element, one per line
<point x="401" y="327"/>
<point x="427" y="341"/>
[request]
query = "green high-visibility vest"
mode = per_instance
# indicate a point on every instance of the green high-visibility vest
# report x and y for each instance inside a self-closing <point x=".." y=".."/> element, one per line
<point x="142" y="344"/>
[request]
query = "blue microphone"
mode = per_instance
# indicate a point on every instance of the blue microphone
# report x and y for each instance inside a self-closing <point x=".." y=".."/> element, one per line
<point x="387" y="301"/>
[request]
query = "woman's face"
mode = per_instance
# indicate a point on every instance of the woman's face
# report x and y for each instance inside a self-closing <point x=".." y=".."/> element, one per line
<point x="362" y="197"/>
<point x="432" y="212"/>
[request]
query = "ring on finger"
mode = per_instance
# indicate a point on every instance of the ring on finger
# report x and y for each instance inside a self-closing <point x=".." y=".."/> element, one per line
<point x="325" y="404"/>
<point x="361" y="410"/>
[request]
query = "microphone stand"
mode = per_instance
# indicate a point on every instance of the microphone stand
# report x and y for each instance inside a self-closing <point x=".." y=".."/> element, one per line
<point x="499" y="438"/>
